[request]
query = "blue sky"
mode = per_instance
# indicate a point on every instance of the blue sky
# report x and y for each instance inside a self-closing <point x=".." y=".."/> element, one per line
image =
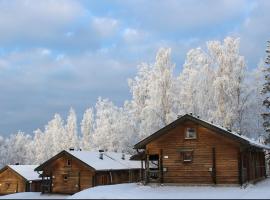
<point x="60" y="54"/>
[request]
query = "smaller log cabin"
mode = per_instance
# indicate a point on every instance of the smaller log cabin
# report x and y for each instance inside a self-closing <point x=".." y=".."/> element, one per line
<point x="194" y="151"/>
<point x="72" y="171"/>
<point x="19" y="178"/>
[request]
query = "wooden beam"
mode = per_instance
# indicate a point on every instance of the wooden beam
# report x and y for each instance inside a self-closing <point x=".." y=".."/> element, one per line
<point x="214" y="173"/>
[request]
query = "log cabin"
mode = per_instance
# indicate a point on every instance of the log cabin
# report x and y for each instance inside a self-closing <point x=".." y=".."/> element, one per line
<point x="19" y="178"/>
<point x="72" y="171"/>
<point x="193" y="151"/>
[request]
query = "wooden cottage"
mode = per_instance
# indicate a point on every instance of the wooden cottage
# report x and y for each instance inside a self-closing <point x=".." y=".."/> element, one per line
<point x="194" y="151"/>
<point x="72" y="171"/>
<point x="19" y="178"/>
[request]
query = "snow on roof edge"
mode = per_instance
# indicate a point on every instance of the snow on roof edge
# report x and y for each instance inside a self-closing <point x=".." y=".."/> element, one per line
<point x="26" y="171"/>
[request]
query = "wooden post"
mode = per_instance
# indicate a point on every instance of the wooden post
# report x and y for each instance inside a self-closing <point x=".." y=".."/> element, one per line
<point x="240" y="177"/>
<point x="161" y="165"/>
<point x="214" y="173"/>
<point x="248" y="165"/>
<point x="51" y="182"/>
<point x="79" y="181"/>
<point x="141" y="171"/>
<point x="147" y="169"/>
<point x="264" y="168"/>
<point x="94" y="180"/>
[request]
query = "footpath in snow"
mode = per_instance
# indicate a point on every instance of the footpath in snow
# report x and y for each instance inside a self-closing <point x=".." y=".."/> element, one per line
<point x="260" y="190"/>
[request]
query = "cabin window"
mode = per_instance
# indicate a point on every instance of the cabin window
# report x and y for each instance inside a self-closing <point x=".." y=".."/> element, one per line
<point x="187" y="156"/>
<point x="68" y="162"/>
<point x="191" y="133"/>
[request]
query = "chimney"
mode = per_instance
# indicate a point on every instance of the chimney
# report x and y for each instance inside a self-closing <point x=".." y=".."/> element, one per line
<point x="101" y="154"/>
<point x="178" y="116"/>
<point x="17" y="163"/>
<point x="71" y="149"/>
<point x="123" y="156"/>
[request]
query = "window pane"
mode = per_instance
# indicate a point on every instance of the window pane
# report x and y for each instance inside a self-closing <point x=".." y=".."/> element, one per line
<point x="191" y="133"/>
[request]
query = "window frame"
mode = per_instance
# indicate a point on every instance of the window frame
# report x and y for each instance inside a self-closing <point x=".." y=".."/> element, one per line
<point x="184" y="153"/>
<point x="191" y="138"/>
<point x="69" y="162"/>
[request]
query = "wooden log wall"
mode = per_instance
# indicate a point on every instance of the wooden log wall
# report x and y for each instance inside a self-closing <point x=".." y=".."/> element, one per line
<point x="199" y="170"/>
<point x="10" y="182"/>
<point x="69" y="179"/>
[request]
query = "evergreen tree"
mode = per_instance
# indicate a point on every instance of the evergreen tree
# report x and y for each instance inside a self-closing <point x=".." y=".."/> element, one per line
<point x="266" y="93"/>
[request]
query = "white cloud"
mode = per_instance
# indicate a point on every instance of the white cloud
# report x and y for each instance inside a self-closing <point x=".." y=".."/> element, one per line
<point x="31" y="19"/>
<point x="134" y="35"/>
<point x="175" y="15"/>
<point x="105" y="26"/>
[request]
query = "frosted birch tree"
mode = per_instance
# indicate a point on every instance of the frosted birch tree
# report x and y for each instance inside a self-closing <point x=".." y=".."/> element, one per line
<point x="152" y="91"/>
<point x="87" y="129"/>
<point x="228" y="83"/>
<point x="71" y="130"/>
<point x="194" y="85"/>
<point x="105" y="134"/>
<point x="17" y="148"/>
<point x="266" y="93"/>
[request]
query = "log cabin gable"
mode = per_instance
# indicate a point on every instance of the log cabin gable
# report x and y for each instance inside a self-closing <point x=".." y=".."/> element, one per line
<point x="177" y="136"/>
<point x="66" y="162"/>
<point x="11" y="174"/>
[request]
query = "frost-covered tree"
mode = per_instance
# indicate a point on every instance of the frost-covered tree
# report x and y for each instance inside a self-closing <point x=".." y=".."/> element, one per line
<point x="266" y="93"/>
<point x="55" y="136"/>
<point x="228" y="83"/>
<point x="3" y="152"/>
<point x="39" y="147"/>
<point x="87" y="129"/>
<point x="252" y="122"/>
<point x="105" y="134"/>
<point x="153" y="93"/>
<point x="194" y="85"/>
<point x="17" y="148"/>
<point x="71" y="130"/>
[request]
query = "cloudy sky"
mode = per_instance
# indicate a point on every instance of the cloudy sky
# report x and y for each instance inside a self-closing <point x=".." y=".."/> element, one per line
<point x="60" y="54"/>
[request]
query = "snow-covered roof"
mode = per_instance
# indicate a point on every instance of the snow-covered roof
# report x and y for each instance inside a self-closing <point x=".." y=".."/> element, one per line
<point x="205" y="123"/>
<point x="26" y="171"/>
<point x="110" y="161"/>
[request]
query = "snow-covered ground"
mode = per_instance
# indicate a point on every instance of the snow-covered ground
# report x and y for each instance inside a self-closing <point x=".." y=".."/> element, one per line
<point x="33" y="195"/>
<point x="260" y="190"/>
<point x="135" y="191"/>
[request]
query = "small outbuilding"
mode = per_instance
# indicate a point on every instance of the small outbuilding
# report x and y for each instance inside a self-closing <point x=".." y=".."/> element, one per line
<point x="19" y="178"/>
<point x="71" y="171"/>
<point x="194" y="151"/>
